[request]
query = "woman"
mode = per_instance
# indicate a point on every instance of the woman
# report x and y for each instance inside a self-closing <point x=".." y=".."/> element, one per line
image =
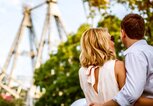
<point x="101" y="74"/>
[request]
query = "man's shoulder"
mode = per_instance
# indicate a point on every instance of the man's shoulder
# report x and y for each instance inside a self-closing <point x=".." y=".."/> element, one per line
<point x="143" y="49"/>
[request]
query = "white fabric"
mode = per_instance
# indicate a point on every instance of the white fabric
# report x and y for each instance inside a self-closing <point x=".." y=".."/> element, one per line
<point x="107" y="86"/>
<point x="90" y="74"/>
<point x="79" y="102"/>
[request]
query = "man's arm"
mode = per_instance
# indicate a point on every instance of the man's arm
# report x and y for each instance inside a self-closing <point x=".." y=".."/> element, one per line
<point x="109" y="103"/>
<point x="143" y="101"/>
<point x="136" y="66"/>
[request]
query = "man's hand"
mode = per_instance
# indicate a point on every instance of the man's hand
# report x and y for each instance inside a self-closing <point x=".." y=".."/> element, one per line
<point x="143" y="101"/>
<point x="95" y="104"/>
<point x="109" y="103"/>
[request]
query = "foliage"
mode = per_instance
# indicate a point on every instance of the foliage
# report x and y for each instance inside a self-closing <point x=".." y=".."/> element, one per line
<point x="145" y="8"/>
<point x="97" y="3"/>
<point x="93" y="6"/>
<point x="14" y="102"/>
<point x="4" y="102"/>
<point x="59" y="75"/>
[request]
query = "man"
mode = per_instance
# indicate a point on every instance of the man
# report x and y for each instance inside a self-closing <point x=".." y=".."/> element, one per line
<point x="138" y="63"/>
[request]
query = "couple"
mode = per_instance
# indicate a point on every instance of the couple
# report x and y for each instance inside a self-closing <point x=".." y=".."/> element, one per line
<point x="107" y="81"/>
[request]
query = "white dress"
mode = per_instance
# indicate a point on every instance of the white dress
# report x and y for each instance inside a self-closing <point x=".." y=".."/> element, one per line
<point x="79" y="102"/>
<point x="107" y="86"/>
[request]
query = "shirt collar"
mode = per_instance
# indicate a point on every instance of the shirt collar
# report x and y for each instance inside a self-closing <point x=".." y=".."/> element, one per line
<point x="140" y="42"/>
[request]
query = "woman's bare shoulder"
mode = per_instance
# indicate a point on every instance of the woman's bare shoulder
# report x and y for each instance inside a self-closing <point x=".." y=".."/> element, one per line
<point x="119" y="66"/>
<point x="120" y="73"/>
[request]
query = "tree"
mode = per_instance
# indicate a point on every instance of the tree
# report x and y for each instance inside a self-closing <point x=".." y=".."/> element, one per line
<point x="59" y="75"/>
<point x="97" y="3"/>
<point x="145" y="8"/>
<point x="95" y="7"/>
<point x="11" y="102"/>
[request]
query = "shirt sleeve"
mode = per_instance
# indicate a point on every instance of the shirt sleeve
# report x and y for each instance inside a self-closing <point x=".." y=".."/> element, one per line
<point x="136" y="66"/>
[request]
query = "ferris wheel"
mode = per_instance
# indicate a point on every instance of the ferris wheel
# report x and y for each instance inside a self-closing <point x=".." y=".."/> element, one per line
<point x="36" y="47"/>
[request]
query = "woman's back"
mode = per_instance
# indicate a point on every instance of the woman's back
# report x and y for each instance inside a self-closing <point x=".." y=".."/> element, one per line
<point x="104" y="75"/>
<point x="107" y="86"/>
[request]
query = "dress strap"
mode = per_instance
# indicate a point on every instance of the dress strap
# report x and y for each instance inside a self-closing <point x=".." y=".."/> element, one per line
<point x="90" y="74"/>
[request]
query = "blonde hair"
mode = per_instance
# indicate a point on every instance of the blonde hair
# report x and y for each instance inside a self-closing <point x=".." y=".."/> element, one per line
<point x="95" y="47"/>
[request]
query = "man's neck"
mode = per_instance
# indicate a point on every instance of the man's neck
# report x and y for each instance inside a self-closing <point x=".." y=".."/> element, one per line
<point x="131" y="42"/>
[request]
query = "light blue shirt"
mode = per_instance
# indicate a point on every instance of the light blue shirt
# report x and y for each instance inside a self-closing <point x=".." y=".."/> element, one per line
<point x="139" y="76"/>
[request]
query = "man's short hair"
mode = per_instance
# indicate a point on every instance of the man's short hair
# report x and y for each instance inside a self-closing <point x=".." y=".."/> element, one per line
<point x="134" y="26"/>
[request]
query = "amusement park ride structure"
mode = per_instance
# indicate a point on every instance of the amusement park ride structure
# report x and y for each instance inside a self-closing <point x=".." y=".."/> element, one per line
<point x="36" y="48"/>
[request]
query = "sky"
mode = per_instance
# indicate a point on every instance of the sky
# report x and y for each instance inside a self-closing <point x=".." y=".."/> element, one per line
<point x="11" y="14"/>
